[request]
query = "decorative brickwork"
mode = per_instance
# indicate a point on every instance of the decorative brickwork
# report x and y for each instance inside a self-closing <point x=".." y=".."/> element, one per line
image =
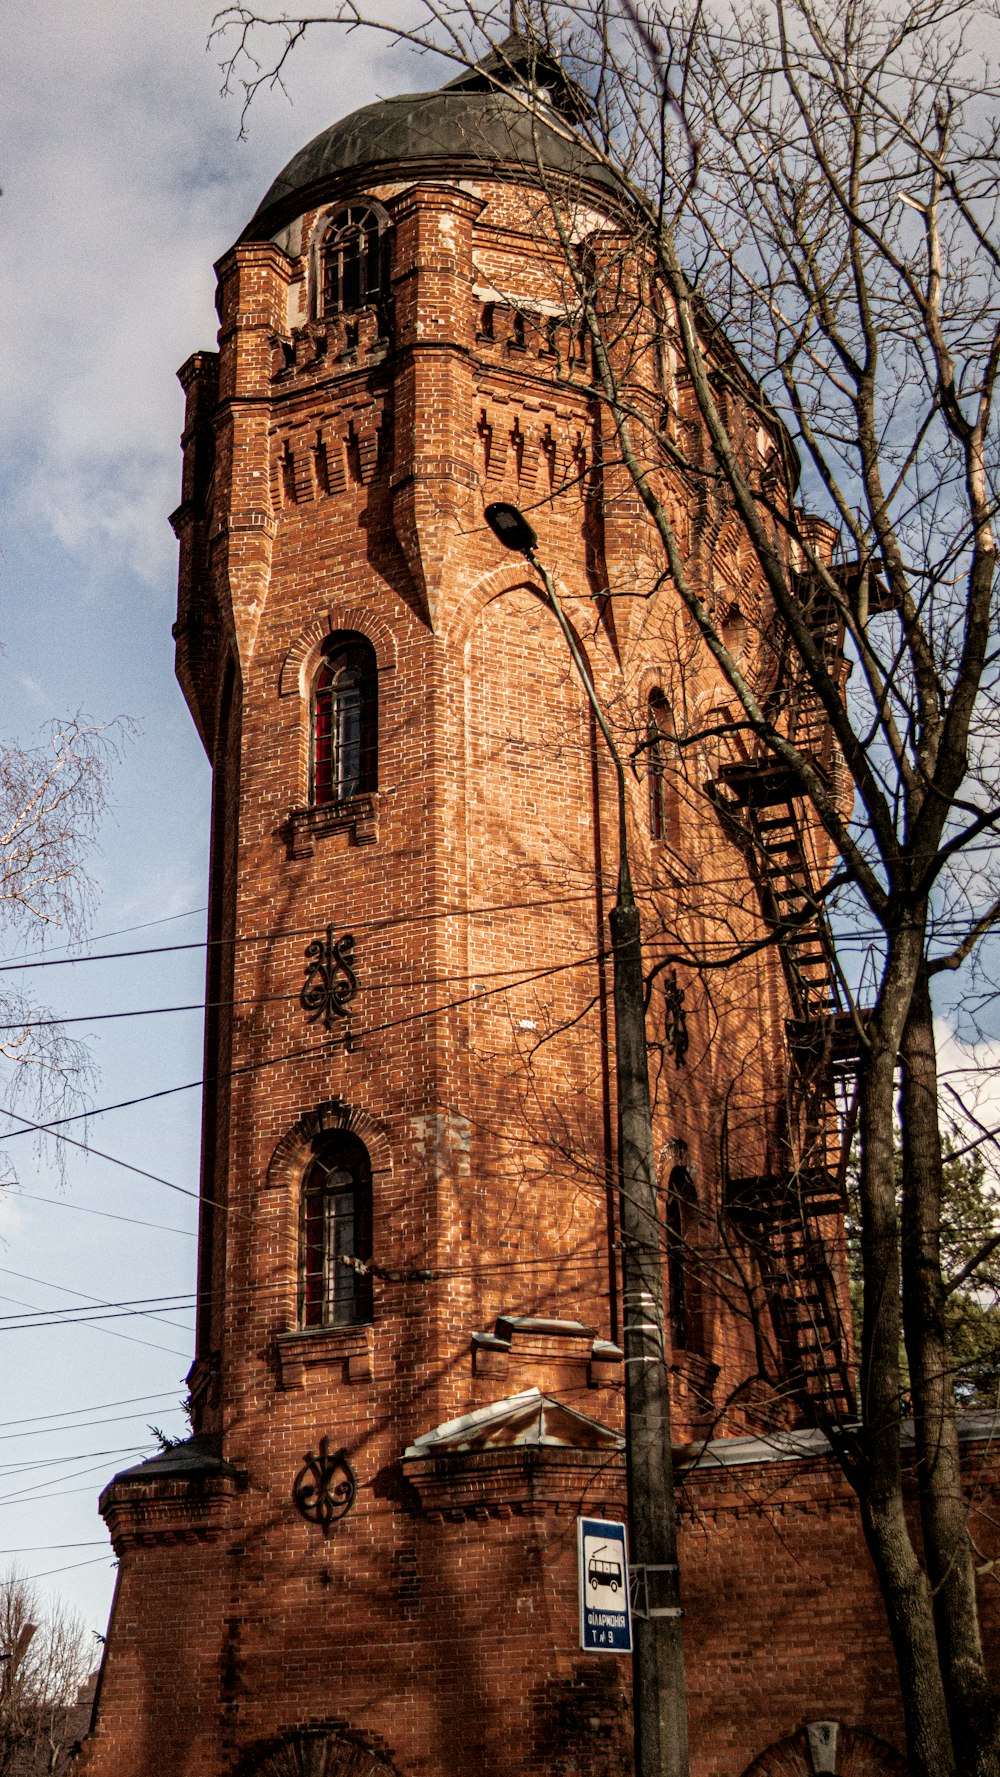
<point x="335" y="473"/>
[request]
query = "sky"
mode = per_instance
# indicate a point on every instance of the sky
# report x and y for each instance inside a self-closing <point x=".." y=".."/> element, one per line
<point x="124" y="178"/>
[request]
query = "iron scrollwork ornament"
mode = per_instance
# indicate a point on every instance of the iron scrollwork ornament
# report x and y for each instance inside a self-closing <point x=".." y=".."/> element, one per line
<point x="675" y="1030"/>
<point x="330" y="983"/>
<point x="325" y="1487"/>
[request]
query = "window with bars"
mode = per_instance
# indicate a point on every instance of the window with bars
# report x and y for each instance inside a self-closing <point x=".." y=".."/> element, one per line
<point x="355" y="261"/>
<point x="336" y="1225"/>
<point x="345" y="721"/>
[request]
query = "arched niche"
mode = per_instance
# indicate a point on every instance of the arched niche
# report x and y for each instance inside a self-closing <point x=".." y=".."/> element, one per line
<point x="828" y="1749"/>
<point x="327" y="1751"/>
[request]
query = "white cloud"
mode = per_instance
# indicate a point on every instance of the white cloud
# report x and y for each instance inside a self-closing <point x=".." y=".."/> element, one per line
<point x="11" y="1213"/>
<point x="973" y="1071"/>
<point x="123" y="181"/>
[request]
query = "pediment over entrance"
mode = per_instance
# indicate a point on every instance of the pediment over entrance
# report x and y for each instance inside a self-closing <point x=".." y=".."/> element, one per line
<point x="529" y="1418"/>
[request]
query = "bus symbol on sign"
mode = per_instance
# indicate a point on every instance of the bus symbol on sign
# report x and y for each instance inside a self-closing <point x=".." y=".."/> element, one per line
<point x="603" y="1572"/>
<point x="605" y="1620"/>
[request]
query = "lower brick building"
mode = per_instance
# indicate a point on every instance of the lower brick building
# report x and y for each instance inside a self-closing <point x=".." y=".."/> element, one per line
<point x="407" y="1385"/>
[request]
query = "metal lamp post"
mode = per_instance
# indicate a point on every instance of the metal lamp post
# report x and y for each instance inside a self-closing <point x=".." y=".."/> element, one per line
<point x="659" y="1700"/>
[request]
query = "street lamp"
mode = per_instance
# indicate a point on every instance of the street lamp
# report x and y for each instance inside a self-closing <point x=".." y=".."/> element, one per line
<point x="659" y="1701"/>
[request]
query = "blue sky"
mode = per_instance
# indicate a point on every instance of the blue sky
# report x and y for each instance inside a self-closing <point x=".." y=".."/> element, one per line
<point x="124" y="179"/>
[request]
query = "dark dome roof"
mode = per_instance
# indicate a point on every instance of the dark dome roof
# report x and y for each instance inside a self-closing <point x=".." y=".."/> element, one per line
<point x="467" y="124"/>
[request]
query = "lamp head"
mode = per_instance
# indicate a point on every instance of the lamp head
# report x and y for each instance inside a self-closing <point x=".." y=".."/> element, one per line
<point x="510" y="527"/>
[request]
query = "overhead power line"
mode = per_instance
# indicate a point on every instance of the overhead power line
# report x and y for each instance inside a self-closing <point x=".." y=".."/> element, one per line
<point x="270" y="937"/>
<point x="111" y="1332"/>
<point x="146" y="925"/>
<point x="108" y="1215"/>
<point x="48" y="1573"/>
<point x="22" y="1494"/>
<point x="9" y="1469"/>
<point x="87" y="1148"/>
<point x="89" y="1303"/>
<point x="54" y="1127"/>
<point x="92" y="1310"/>
<point x="48" y="1431"/>
<point x="135" y="1400"/>
<point x="395" y="984"/>
<point x="93" y="1542"/>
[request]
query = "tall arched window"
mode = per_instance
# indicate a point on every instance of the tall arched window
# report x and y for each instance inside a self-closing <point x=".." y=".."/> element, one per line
<point x="657" y="717"/>
<point x="355" y="260"/>
<point x="345" y="721"/>
<point x="685" y="1315"/>
<point x="336" y="1225"/>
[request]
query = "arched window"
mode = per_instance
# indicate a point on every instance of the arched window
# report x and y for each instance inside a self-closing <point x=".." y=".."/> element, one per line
<point x="354" y="271"/>
<point x="336" y="1225"/>
<point x="345" y="721"/>
<point x="685" y="1317"/>
<point x="657" y="717"/>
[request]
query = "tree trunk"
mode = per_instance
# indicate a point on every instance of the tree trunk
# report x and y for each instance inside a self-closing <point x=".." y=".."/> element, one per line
<point x="972" y="1704"/>
<point x="904" y="1582"/>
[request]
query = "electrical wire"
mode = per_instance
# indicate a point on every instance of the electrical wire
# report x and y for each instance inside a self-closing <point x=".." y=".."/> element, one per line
<point x="48" y="1431"/>
<point x="184" y="1297"/>
<point x="107" y="1215"/>
<point x="87" y="1148"/>
<point x="93" y="1310"/>
<point x="9" y="1469"/>
<point x="253" y="1067"/>
<point x="23" y="1494"/>
<point x="112" y="1332"/>
<point x="48" y="1572"/>
<point x="48" y="960"/>
<point x="51" y="1548"/>
<point x="270" y="937"/>
<point x="38" y="1321"/>
<point x="100" y="937"/>
<point x="135" y="1400"/>
<point x="395" y="984"/>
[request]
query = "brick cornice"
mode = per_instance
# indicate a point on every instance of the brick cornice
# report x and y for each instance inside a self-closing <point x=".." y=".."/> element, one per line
<point x="528" y="1480"/>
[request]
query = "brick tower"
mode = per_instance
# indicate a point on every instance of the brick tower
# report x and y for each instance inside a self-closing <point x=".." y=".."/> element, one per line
<point x="408" y="1375"/>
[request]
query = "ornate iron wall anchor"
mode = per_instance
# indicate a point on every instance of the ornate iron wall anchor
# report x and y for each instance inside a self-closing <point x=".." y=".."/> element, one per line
<point x="330" y="983"/>
<point x="325" y="1487"/>
<point x="675" y="1029"/>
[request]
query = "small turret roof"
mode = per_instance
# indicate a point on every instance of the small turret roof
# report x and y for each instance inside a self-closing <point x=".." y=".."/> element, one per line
<point x="479" y="120"/>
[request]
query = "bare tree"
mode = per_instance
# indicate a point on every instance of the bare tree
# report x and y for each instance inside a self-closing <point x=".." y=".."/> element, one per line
<point x="45" y="1659"/>
<point x="52" y="797"/>
<point x="793" y="315"/>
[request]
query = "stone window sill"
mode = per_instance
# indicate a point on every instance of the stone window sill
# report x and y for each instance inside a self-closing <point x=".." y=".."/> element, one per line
<point x="357" y="816"/>
<point x="305" y="1349"/>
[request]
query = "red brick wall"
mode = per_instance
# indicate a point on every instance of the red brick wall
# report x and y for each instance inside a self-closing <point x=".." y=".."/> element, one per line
<point x="476" y="883"/>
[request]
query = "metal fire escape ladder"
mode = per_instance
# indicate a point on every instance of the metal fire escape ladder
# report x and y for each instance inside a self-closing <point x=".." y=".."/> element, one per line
<point x="789" y="1212"/>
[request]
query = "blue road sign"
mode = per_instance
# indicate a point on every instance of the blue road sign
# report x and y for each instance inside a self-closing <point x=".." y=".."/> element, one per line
<point x="605" y="1622"/>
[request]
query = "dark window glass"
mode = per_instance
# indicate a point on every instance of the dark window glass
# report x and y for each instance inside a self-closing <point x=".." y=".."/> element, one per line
<point x="345" y="722"/>
<point x="656" y="764"/>
<point x="336" y="1224"/>
<point x="676" y="1277"/>
<point x="355" y="261"/>
<point x="682" y="1283"/>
